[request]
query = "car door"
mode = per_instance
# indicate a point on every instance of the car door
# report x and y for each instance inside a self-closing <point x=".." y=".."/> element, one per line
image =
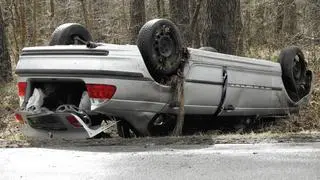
<point x="204" y="88"/>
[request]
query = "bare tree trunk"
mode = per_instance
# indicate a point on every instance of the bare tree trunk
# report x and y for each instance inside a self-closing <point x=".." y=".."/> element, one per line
<point x="223" y="26"/>
<point x="247" y="24"/>
<point x="279" y="4"/>
<point x="85" y="14"/>
<point x="194" y="25"/>
<point x="137" y="18"/>
<point x="179" y="95"/>
<point x="238" y="29"/>
<point x="286" y="21"/>
<point x="23" y="24"/>
<point x="34" y="23"/>
<point x="289" y="25"/>
<point x="14" y="21"/>
<point x="179" y="11"/>
<point x="5" y="62"/>
<point x="163" y="8"/>
<point x="313" y="17"/>
<point x="51" y="8"/>
<point x="158" y="8"/>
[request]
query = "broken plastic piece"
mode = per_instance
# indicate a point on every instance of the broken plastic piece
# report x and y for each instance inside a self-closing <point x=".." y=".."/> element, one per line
<point x="85" y="103"/>
<point x="36" y="100"/>
<point x="94" y="132"/>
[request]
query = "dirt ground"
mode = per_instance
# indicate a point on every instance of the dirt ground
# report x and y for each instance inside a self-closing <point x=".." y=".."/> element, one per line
<point x="251" y="138"/>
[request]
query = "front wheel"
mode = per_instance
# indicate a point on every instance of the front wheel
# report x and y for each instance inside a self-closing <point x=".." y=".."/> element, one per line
<point x="66" y="34"/>
<point x="125" y="130"/>
<point x="295" y="76"/>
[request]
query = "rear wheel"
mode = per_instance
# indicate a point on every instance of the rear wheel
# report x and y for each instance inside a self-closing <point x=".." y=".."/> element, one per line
<point x="160" y="45"/>
<point x="66" y="34"/>
<point x="125" y="130"/>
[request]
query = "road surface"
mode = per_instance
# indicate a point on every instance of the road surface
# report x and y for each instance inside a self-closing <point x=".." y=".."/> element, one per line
<point x="246" y="161"/>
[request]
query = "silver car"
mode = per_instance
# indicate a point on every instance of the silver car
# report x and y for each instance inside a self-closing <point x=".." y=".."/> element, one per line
<point x="70" y="88"/>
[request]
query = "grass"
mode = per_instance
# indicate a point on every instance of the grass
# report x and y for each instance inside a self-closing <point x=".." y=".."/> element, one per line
<point x="309" y="116"/>
<point x="9" y="128"/>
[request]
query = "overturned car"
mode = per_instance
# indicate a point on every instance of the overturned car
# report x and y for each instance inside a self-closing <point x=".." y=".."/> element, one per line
<point x="71" y="87"/>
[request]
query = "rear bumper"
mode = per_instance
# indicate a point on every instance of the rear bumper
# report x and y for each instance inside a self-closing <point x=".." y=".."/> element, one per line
<point x="49" y="134"/>
<point x="50" y="124"/>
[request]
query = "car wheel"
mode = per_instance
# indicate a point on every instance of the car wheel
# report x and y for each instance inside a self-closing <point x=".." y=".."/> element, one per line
<point x="162" y="125"/>
<point x="294" y="71"/>
<point x="160" y="45"/>
<point x="207" y="48"/>
<point x="65" y="34"/>
<point x="125" y="130"/>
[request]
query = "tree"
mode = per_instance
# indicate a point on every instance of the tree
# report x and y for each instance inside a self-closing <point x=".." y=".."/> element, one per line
<point x="179" y="13"/>
<point x="286" y="21"/>
<point x="23" y="23"/>
<point x="34" y="22"/>
<point x="279" y="19"/>
<point x="161" y="12"/>
<point x="137" y="18"/>
<point x="51" y="8"/>
<point x="289" y="25"/>
<point x="313" y="17"/>
<point x="85" y="14"/>
<point x="223" y="26"/>
<point x="194" y="24"/>
<point x="5" y="63"/>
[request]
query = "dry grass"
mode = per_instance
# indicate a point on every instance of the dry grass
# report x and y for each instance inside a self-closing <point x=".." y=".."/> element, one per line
<point x="308" y="117"/>
<point x="9" y="128"/>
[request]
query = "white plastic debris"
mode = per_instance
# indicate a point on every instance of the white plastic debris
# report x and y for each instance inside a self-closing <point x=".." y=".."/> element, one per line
<point x="36" y="100"/>
<point x="85" y="103"/>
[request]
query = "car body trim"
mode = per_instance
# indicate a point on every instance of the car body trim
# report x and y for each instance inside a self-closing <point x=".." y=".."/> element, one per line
<point x="204" y="82"/>
<point x="235" y="85"/>
<point x="255" y="87"/>
<point x="63" y="72"/>
<point x="91" y="52"/>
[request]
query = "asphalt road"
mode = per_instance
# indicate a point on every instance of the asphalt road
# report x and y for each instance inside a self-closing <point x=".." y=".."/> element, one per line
<point x="247" y="161"/>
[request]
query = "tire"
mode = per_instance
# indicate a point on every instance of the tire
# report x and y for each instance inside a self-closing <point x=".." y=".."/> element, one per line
<point x="125" y="130"/>
<point x="160" y="45"/>
<point x="162" y="125"/>
<point x="65" y="33"/>
<point x="294" y="70"/>
<point x="207" y="48"/>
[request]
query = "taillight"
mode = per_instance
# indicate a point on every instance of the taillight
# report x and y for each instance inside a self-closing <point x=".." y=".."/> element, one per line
<point x="73" y="121"/>
<point x="101" y="91"/>
<point x="19" y="118"/>
<point x="22" y="86"/>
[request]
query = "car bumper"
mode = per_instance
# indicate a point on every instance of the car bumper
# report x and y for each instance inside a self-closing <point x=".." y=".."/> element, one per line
<point x="50" y="124"/>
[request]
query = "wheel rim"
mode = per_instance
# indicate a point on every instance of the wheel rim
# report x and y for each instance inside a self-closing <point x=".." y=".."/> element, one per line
<point x="165" y="48"/>
<point x="297" y="68"/>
